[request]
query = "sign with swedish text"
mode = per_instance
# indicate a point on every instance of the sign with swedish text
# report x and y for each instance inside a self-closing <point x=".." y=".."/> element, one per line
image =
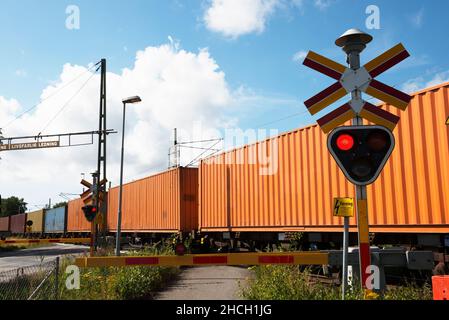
<point x="343" y="207"/>
<point x="29" y="145"/>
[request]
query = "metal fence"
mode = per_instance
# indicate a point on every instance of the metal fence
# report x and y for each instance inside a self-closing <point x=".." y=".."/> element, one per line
<point x="37" y="282"/>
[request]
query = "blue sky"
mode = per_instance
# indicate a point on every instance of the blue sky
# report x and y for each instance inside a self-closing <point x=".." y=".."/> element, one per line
<point x="224" y="65"/>
<point x="36" y="44"/>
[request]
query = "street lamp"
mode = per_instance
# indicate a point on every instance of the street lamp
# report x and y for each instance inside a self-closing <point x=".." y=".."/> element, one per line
<point x="135" y="99"/>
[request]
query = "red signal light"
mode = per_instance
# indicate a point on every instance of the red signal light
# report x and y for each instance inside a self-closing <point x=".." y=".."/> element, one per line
<point x="345" y="142"/>
<point x="94" y="209"/>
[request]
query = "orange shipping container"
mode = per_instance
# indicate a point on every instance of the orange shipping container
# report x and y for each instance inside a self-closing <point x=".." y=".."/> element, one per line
<point x="163" y="203"/>
<point x="76" y="221"/>
<point x="410" y="196"/>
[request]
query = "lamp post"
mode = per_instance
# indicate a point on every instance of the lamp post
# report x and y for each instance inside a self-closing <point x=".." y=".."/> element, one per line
<point x="135" y="99"/>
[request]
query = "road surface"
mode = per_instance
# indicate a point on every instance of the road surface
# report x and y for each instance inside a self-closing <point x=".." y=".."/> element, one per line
<point x="34" y="256"/>
<point x="207" y="283"/>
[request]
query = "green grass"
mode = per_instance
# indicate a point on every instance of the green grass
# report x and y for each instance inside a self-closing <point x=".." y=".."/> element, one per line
<point x="11" y="248"/>
<point x="289" y="283"/>
<point x="130" y="283"/>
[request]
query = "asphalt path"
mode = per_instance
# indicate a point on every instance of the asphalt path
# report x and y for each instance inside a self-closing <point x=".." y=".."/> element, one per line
<point x="207" y="283"/>
<point x="36" y="256"/>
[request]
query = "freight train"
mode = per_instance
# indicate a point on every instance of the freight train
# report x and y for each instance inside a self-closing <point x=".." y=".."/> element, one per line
<point x="48" y="223"/>
<point x="239" y="200"/>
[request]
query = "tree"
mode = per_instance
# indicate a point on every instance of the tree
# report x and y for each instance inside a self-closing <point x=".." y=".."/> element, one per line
<point x="59" y="205"/>
<point x="12" y="206"/>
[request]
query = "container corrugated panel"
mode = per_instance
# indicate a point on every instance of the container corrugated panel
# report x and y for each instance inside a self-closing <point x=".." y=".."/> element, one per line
<point x="4" y="224"/>
<point x="17" y="223"/>
<point x="163" y="203"/>
<point x="55" y="220"/>
<point x="410" y="195"/>
<point x="76" y="221"/>
<point x="37" y="217"/>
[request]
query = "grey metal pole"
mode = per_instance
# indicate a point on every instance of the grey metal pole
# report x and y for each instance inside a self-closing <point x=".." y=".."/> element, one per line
<point x="345" y="257"/>
<point x="354" y="63"/>
<point x="119" y="215"/>
<point x="57" y="278"/>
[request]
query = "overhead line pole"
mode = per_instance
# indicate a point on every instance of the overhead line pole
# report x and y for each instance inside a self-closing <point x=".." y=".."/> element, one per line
<point x="102" y="164"/>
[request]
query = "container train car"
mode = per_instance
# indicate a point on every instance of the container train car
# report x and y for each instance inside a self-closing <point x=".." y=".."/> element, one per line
<point x="17" y="224"/>
<point x="35" y="223"/>
<point x="162" y="204"/>
<point x="56" y="221"/>
<point x="77" y="224"/>
<point x="4" y="227"/>
<point x="45" y="223"/>
<point x="408" y="203"/>
<point x="165" y="203"/>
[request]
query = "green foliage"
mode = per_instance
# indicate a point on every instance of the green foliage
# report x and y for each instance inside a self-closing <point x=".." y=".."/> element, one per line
<point x="12" y="206"/>
<point x="60" y="205"/>
<point x="141" y="282"/>
<point x="289" y="283"/>
<point x="410" y="292"/>
<point x="130" y="283"/>
<point x="285" y="283"/>
<point x="11" y="248"/>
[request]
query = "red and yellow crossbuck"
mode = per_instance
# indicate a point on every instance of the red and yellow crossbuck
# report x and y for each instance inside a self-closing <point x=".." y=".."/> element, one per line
<point x="361" y="80"/>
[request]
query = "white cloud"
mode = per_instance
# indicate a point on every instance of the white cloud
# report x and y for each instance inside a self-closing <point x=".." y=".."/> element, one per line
<point x="21" y="73"/>
<point x="234" y="18"/>
<point x="299" y="56"/>
<point x="322" y="4"/>
<point x="421" y="82"/>
<point x="178" y="88"/>
<point x="417" y="18"/>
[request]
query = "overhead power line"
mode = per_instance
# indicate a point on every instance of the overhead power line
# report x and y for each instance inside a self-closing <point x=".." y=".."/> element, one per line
<point x="50" y="95"/>
<point x="67" y="103"/>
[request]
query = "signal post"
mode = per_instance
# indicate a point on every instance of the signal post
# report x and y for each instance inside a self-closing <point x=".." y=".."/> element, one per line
<point x="360" y="151"/>
<point x="353" y="47"/>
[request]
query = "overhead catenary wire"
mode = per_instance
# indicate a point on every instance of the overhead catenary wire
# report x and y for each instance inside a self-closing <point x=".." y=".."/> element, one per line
<point x="67" y="103"/>
<point x="196" y="159"/>
<point x="297" y="114"/>
<point x="50" y="96"/>
<point x="198" y="148"/>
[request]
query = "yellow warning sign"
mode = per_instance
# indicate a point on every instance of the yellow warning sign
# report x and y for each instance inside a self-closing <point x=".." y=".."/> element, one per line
<point x="343" y="207"/>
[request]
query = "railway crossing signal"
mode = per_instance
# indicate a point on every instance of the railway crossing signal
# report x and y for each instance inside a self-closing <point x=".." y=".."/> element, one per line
<point x="90" y="212"/>
<point x="361" y="151"/>
<point x="359" y="79"/>
<point x="93" y="191"/>
<point x="94" y="199"/>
